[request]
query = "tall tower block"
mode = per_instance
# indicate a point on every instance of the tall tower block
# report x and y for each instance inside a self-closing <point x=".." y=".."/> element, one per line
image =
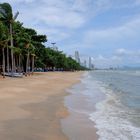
<point x="77" y="58"/>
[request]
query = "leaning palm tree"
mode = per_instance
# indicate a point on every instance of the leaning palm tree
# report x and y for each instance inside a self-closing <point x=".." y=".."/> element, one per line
<point x="30" y="49"/>
<point x="24" y="42"/>
<point x="8" y="18"/>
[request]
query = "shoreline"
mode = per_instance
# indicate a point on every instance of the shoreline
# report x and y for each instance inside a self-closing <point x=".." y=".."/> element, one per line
<point x="78" y="125"/>
<point x="31" y="108"/>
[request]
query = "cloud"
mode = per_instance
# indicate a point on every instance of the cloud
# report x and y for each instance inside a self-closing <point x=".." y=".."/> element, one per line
<point x="56" y="35"/>
<point x="122" y="52"/>
<point x="100" y="57"/>
<point x="69" y="15"/>
<point x="54" y="13"/>
<point x="55" y="18"/>
<point x="119" y="57"/>
<point x="127" y="53"/>
<point x="128" y="31"/>
<point x="100" y="61"/>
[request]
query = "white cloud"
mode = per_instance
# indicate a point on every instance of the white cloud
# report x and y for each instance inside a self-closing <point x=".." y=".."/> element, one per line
<point x="116" y="58"/>
<point x="119" y="58"/>
<point x="27" y="1"/>
<point x="127" y="53"/>
<point x="18" y="1"/>
<point x="56" y="14"/>
<point x="53" y="13"/>
<point x="100" y="57"/>
<point x="128" y="31"/>
<point x="100" y="61"/>
<point x="55" y="18"/>
<point x="54" y="34"/>
<point x="122" y="52"/>
<point x="62" y="13"/>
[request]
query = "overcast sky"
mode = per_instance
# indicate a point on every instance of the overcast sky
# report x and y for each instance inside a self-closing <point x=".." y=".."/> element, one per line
<point x="106" y="30"/>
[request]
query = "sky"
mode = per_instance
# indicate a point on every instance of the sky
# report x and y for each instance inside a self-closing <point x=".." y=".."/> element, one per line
<point x="108" y="31"/>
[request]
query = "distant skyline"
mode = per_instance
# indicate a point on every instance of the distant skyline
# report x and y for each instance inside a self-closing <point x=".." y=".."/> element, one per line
<point x="108" y="31"/>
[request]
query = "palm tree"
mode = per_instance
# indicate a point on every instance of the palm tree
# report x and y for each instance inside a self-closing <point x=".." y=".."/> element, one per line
<point x="33" y="61"/>
<point x="27" y="59"/>
<point x="8" y="18"/>
<point x="30" y="49"/>
<point x="3" y="68"/>
<point x="17" y="56"/>
<point x="3" y="44"/>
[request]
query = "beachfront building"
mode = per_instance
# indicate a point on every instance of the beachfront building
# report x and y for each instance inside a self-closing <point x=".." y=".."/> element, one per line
<point x="77" y="57"/>
<point x="91" y="65"/>
<point x="85" y="63"/>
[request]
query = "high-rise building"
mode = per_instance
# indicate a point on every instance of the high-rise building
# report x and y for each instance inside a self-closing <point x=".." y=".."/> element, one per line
<point x="85" y="63"/>
<point x="77" y="57"/>
<point x="90" y="64"/>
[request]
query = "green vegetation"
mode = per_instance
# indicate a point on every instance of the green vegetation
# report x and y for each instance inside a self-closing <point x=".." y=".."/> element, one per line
<point x="22" y="49"/>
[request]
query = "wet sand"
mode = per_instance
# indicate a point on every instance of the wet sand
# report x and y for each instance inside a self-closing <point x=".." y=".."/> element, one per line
<point x="78" y="125"/>
<point x="31" y="107"/>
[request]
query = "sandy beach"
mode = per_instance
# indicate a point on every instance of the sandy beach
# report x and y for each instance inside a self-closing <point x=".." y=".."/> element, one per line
<point x="31" y="107"/>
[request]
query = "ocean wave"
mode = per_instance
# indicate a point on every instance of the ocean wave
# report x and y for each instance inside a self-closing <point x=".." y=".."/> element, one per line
<point x="113" y="120"/>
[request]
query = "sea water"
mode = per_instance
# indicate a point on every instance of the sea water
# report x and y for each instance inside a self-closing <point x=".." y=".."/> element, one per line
<point x="110" y="99"/>
<point x="117" y="117"/>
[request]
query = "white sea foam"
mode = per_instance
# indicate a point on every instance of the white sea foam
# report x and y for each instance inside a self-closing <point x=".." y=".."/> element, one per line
<point x="112" y="120"/>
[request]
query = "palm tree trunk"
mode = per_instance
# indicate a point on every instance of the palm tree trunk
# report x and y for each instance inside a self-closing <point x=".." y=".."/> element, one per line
<point x="14" y="63"/>
<point x="33" y="61"/>
<point x="27" y="62"/>
<point x="12" y="55"/>
<point x="29" y="69"/>
<point x="8" y="60"/>
<point x="3" y="55"/>
<point x="19" y="62"/>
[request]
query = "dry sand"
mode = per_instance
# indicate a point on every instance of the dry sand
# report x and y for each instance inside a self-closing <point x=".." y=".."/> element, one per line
<point x="31" y="107"/>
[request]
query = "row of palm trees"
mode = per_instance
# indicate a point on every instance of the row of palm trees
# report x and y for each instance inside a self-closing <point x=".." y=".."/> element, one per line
<point x="17" y="43"/>
<point x="22" y="49"/>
